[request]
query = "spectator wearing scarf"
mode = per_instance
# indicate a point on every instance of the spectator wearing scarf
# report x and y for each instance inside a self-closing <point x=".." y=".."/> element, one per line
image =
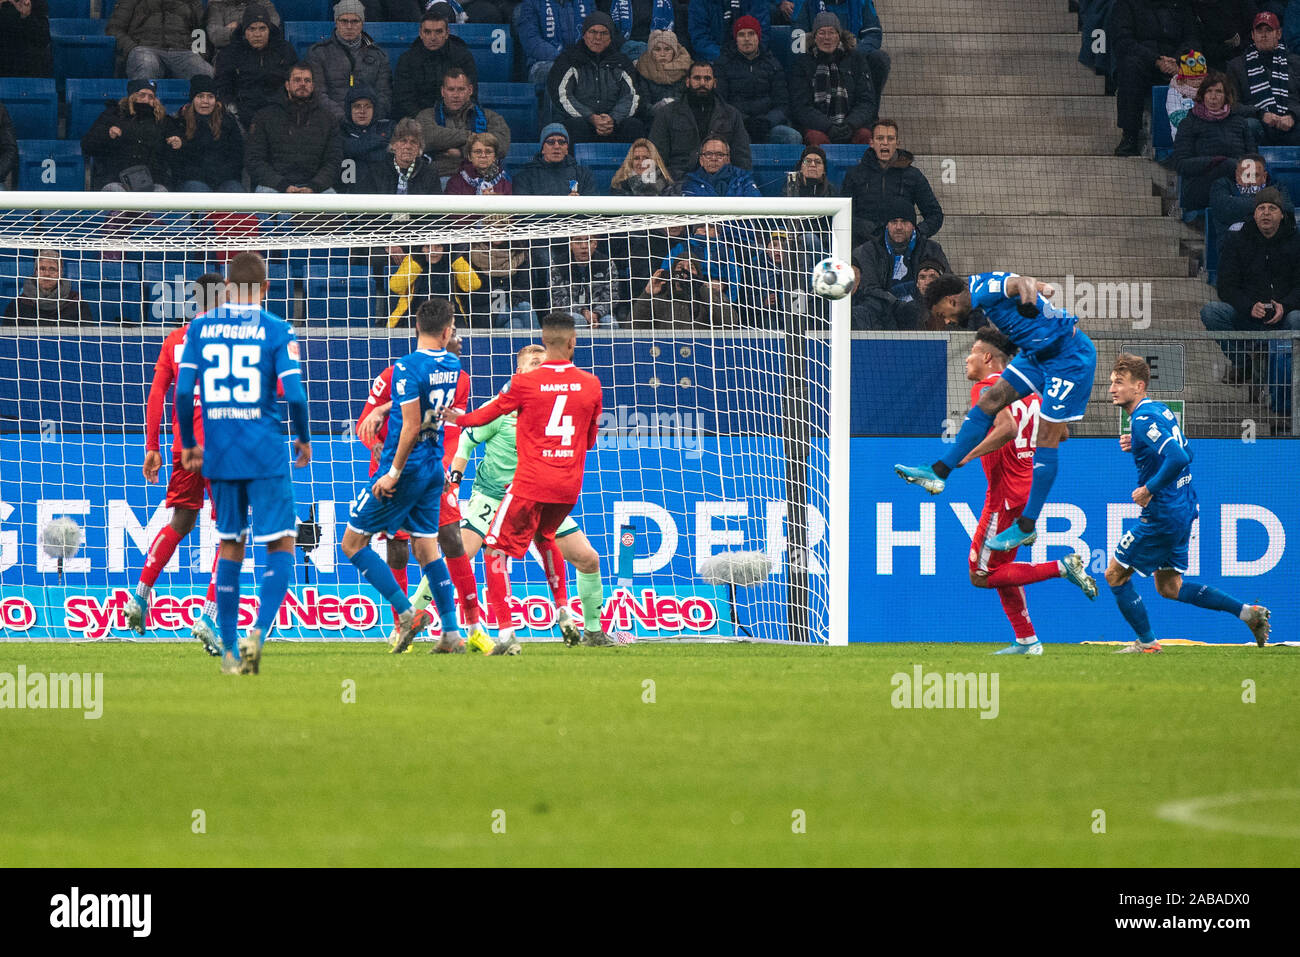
<point x="889" y="266"/>
<point x="661" y="72"/>
<point x="1267" y="80"/>
<point x="448" y="124"/>
<point x="1210" y="141"/>
<point x="480" y="174"/>
<point x="1182" y="89"/>
<point x="832" y="98"/>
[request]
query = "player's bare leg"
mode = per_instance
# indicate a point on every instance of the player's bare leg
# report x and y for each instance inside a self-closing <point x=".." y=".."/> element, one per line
<point x="496" y="571"/>
<point x="410" y="622"/>
<point x="577" y="551"/>
<point x="1119" y="578"/>
<point x="1023" y="532"/>
<point x="160" y="553"/>
<point x="974" y="428"/>
<point x="552" y="556"/>
<point x="1170" y="584"/>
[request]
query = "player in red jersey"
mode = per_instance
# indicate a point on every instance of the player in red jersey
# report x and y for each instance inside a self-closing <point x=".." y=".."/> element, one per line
<point x="1009" y="468"/>
<point x="372" y="431"/>
<point x="559" y="408"/>
<point x="184" y="489"/>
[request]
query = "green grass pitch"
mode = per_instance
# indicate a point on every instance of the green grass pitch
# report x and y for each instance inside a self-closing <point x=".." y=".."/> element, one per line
<point x="557" y="758"/>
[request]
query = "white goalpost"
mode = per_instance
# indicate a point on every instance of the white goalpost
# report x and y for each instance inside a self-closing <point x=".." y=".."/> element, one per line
<point x="718" y="491"/>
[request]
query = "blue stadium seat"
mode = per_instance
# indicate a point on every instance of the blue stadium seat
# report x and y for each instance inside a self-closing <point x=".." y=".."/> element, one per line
<point x="34" y="106"/>
<point x="291" y="10"/>
<point x="1281" y="156"/>
<point x="840" y="158"/>
<point x="117" y="295"/>
<point x="88" y="98"/>
<point x="339" y="301"/>
<point x="303" y="33"/>
<point x="786" y="43"/>
<point x="520" y="153"/>
<point x="280" y="297"/>
<point x="771" y="163"/>
<point x="81" y="49"/>
<point x="173" y="93"/>
<point x="603" y="159"/>
<point x="493" y="47"/>
<point x="517" y="104"/>
<point x="34" y="173"/>
<point x="106" y="8"/>
<point x="70" y="10"/>
<point x="1162" y="138"/>
<point x="394" y="38"/>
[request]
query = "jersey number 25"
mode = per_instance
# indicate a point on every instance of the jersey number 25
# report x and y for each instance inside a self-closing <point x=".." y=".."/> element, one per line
<point x="226" y="361"/>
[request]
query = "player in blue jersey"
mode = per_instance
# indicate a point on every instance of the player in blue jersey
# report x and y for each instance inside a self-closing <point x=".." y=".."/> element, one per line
<point x="1056" y="360"/>
<point x="408" y="493"/>
<point x="239" y="351"/>
<point x="1168" y="500"/>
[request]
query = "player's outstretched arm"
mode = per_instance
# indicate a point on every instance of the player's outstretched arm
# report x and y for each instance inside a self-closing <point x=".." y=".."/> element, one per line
<point x="504" y="403"/>
<point x="368" y="427"/>
<point x="164" y="374"/>
<point x="1002" y="432"/>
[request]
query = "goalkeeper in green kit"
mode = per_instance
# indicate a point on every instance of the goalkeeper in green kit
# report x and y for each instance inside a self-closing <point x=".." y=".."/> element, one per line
<point x="492" y="477"/>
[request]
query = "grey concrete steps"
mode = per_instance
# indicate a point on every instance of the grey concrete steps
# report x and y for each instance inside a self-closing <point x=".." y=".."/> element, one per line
<point x="1037" y="258"/>
<point x="1086" y="230"/>
<point x="931" y="78"/>
<point x="984" y="15"/>
<point x="1018" y="118"/>
<point x="943" y="37"/>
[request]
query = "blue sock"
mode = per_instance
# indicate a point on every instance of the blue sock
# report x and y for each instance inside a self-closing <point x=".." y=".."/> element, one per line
<point x="275" y="582"/>
<point x="228" y="604"/>
<point x="1045" y="461"/>
<point x="444" y="596"/>
<point x="376" y="571"/>
<point x="1203" y="596"/>
<point x="973" y="430"/>
<point x="1131" y="607"/>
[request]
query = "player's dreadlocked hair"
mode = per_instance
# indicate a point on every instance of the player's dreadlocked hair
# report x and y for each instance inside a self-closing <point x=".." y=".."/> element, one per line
<point x="943" y="286"/>
<point x="209" y="291"/>
<point x="994" y="338"/>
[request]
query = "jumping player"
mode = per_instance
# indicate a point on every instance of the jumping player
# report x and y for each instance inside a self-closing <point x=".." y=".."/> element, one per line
<point x="408" y="495"/>
<point x="559" y="407"/>
<point x="1057" y="360"/>
<point x="1159" y="542"/>
<point x="372" y="431"/>
<point x="240" y="351"/>
<point x="184" y="489"/>
<point x="494" y="473"/>
<point x="1009" y="467"/>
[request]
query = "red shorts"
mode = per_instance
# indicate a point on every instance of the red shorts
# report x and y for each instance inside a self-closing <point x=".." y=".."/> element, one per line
<point x="185" y="489"/>
<point x="450" y="511"/>
<point x="992" y="521"/>
<point x="518" y="520"/>
<point x="398" y="536"/>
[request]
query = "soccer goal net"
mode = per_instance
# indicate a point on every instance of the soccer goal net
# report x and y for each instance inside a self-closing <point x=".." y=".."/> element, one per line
<point x="716" y="494"/>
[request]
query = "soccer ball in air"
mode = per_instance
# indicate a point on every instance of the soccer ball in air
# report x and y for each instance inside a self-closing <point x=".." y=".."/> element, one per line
<point x="832" y="278"/>
<point x="61" y="538"/>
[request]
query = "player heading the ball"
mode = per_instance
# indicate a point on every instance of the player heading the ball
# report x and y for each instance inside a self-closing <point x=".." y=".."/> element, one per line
<point x="1057" y="360"/>
<point x="240" y="351"/>
<point x="1159" y="544"/>
<point x="408" y="495"/>
<point x="559" y="408"/>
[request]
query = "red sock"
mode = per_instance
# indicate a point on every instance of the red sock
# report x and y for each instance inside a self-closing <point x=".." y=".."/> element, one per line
<point x="160" y="553"/>
<point x="498" y="588"/>
<point x="553" y="563"/>
<point x="1013" y="603"/>
<point x="212" y="579"/>
<point x="403" y="581"/>
<point x="462" y="577"/>
<point x="1023" y="573"/>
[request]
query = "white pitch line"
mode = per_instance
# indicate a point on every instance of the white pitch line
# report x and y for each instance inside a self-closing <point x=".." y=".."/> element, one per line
<point x="1193" y="811"/>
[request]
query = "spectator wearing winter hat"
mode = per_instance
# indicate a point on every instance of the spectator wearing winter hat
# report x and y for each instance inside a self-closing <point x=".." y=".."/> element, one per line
<point x="252" y="69"/>
<point x="711" y="24"/>
<point x="833" y="99"/>
<point x="889" y="267"/>
<point x="859" y="17"/>
<point x="808" y="178"/>
<point x="546" y="28"/>
<point x="592" y="88"/>
<point x="365" y="136"/>
<point x="661" y="72"/>
<point x="156" y="37"/>
<point x="553" y="171"/>
<point x="1182" y="88"/>
<point x="348" y="57"/>
<point x="637" y="19"/>
<point x="1258" y="282"/>
<point x="1210" y="140"/>
<point x="1232" y="201"/>
<point x="1267" y="79"/>
<point x="418" y="79"/>
<point x="226" y="17"/>
<point x="751" y="79"/>
<point x="207" y="144"/>
<point x="680" y="127"/>
<point x="456" y="114"/>
<point x="132" y="132"/>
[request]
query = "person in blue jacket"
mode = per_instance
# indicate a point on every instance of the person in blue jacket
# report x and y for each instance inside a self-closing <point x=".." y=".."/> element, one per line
<point x="710" y="23"/>
<point x="545" y="28"/>
<point x="636" y="18"/>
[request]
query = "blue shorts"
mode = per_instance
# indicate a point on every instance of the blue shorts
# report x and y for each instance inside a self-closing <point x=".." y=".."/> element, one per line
<point x="271" y="501"/>
<point x="415" y="506"/>
<point x="1149" y="548"/>
<point x="1064" y="381"/>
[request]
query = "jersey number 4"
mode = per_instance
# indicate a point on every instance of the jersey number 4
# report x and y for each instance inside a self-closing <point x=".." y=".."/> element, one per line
<point x="226" y="361"/>
<point x="561" y="425"/>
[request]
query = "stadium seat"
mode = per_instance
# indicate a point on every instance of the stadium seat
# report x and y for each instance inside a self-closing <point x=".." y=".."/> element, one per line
<point x="116" y="295"/>
<point x="34" y="106"/>
<point x="341" y="300"/>
<point x="34" y="173"/>
<point x="517" y="104"/>
<point x="291" y="10"/>
<point x="493" y="47"/>
<point x="394" y="38"/>
<point x="520" y="153"/>
<point x="785" y="43"/>
<point x="771" y="163"/>
<point x="81" y="49"/>
<point x="88" y="98"/>
<point x="1281" y="156"/>
<point x="303" y="33"/>
<point x="1162" y="139"/>
<point x="603" y="159"/>
<point x="71" y="10"/>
